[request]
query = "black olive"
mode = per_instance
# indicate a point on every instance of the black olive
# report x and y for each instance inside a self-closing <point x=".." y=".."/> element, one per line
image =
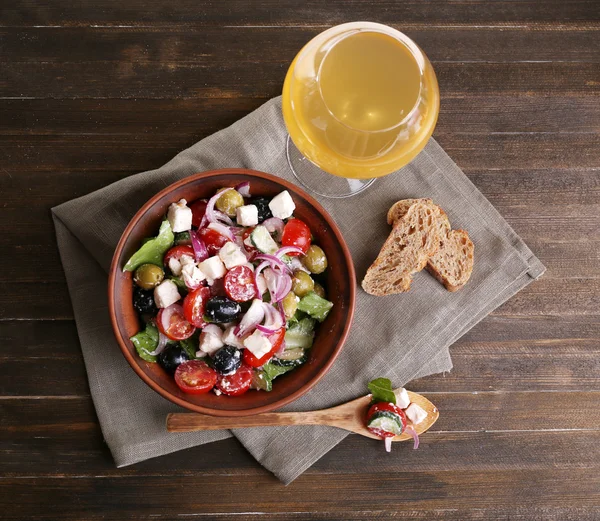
<point x="143" y="301"/>
<point x="264" y="212"/>
<point x="172" y="357"/>
<point x="227" y="360"/>
<point x="221" y="310"/>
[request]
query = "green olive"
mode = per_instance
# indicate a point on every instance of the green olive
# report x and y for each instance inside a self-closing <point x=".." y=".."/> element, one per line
<point x="315" y="260"/>
<point x="302" y="284"/>
<point x="319" y="290"/>
<point x="229" y="202"/>
<point x="290" y="304"/>
<point x="148" y="276"/>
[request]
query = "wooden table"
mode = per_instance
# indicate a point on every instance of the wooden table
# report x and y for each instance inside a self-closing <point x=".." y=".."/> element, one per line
<point x="90" y="95"/>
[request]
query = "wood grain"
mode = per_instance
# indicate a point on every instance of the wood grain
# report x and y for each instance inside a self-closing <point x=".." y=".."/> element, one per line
<point x="93" y="92"/>
<point x="271" y="13"/>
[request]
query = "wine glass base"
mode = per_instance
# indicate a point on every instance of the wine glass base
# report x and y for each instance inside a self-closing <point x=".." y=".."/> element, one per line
<point x="317" y="181"/>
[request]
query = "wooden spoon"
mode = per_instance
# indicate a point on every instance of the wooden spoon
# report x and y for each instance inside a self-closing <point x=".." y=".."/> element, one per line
<point x="349" y="416"/>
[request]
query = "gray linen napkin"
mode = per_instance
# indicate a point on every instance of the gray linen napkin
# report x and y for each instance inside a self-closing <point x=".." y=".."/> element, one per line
<point x="402" y="337"/>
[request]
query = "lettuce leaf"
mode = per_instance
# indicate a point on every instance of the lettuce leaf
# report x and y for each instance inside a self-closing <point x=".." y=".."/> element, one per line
<point x="153" y="250"/>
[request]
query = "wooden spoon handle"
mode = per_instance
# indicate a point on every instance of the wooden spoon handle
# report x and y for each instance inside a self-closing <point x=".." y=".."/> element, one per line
<point x="185" y="422"/>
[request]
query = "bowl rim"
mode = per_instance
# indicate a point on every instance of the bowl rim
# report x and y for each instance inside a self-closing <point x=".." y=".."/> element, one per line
<point x="242" y="412"/>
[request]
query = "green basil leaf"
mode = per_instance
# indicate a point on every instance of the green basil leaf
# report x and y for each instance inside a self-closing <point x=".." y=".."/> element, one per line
<point x="381" y="389"/>
<point x="190" y="346"/>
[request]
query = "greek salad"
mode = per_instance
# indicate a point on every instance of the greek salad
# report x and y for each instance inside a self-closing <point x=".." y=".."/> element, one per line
<point x="391" y="413"/>
<point x="229" y="291"/>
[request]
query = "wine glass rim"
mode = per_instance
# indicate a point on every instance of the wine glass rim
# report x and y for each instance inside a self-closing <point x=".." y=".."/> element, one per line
<point x="340" y="33"/>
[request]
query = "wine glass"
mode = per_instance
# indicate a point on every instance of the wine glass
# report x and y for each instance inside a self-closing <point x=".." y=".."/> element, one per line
<point x="360" y="101"/>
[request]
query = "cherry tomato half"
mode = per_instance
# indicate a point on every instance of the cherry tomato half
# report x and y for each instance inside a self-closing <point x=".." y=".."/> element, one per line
<point x="198" y="210"/>
<point x="236" y="383"/>
<point x="176" y="252"/>
<point x="239" y="284"/>
<point x="245" y="235"/>
<point x="387" y="407"/>
<point x="172" y="323"/>
<point x="195" y="377"/>
<point x="213" y="240"/>
<point x="194" y="304"/>
<point x="296" y="233"/>
<point x="276" y="340"/>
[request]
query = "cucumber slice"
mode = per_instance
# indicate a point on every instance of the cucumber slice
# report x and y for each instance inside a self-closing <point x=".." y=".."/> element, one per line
<point x="386" y="421"/>
<point x="290" y="358"/>
<point x="262" y="240"/>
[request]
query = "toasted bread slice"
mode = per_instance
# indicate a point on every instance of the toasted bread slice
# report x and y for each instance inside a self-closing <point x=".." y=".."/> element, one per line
<point x="452" y="264"/>
<point x="414" y="238"/>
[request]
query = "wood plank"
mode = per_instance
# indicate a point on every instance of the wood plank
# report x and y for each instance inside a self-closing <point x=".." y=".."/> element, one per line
<point x="66" y="441"/>
<point x="135" y="78"/>
<point x="190" y="47"/>
<point x="397" y="491"/>
<point x="199" y="117"/>
<point x="286" y="12"/>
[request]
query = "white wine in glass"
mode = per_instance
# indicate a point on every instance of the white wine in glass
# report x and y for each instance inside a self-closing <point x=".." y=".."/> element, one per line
<point x="360" y="101"/>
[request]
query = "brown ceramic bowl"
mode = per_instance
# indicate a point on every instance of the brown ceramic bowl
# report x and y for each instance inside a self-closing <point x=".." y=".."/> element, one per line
<point x="330" y="335"/>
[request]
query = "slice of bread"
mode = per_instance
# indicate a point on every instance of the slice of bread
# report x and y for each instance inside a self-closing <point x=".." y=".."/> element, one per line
<point x="452" y="264"/>
<point x="414" y="238"/>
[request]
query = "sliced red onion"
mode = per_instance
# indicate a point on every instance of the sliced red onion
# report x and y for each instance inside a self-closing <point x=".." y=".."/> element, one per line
<point x="165" y="316"/>
<point x="222" y="229"/>
<point x="274" y="225"/>
<point x="211" y="215"/>
<point x="388" y="443"/>
<point x="266" y="330"/>
<point x="288" y="249"/>
<point x="272" y="317"/>
<point x="296" y="264"/>
<point x="200" y="251"/>
<point x="281" y="313"/>
<point x="244" y="189"/>
<point x="253" y="317"/>
<point x="273" y="261"/>
<point x="411" y="430"/>
<point x="162" y="343"/>
<point x="260" y="284"/>
<point x="278" y="283"/>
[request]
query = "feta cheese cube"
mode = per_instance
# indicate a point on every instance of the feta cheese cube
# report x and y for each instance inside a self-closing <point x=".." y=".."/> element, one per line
<point x="402" y="399"/>
<point x="258" y="344"/>
<point x="213" y="268"/>
<point x="211" y="339"/>
<point x="192" y="275"/>
<point x="247" y="215"/>
<point x="176" y="264"/>
<point x="415" y="413"/>
<point x="180" y="216"/>
<point x="166" y="294"/>
<point x="230" y="339"/>
<point x="282" y="205"/>
<point x="231" y="255"/>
